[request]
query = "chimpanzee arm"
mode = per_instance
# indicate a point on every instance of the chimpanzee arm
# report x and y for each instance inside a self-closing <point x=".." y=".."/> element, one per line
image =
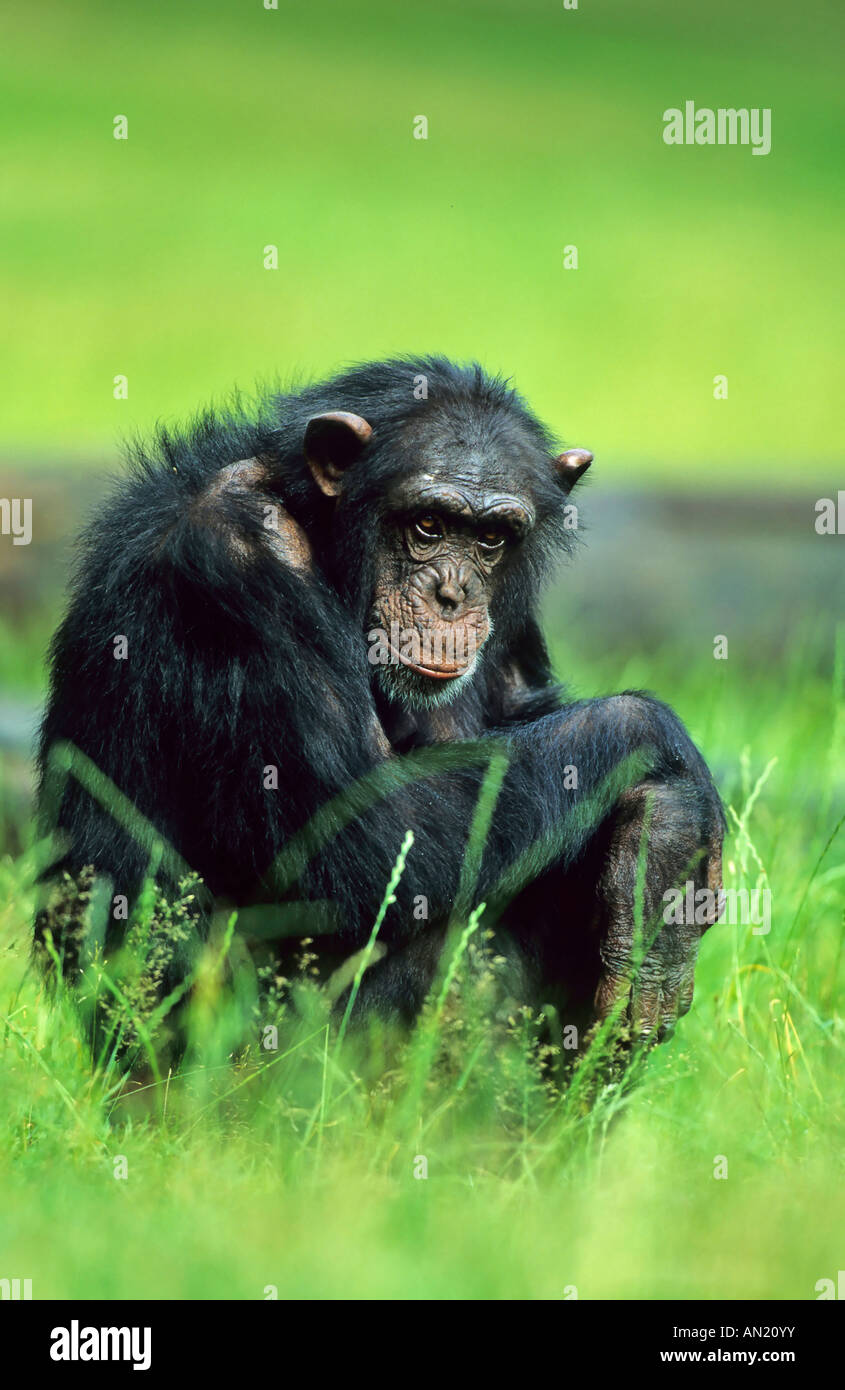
<point x="606" y="806"/>
<point x="209" y="673"/>
<point x="638" y="819"/>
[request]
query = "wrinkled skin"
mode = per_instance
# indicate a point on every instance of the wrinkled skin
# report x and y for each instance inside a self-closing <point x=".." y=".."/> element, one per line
<point x="436" y="561"/>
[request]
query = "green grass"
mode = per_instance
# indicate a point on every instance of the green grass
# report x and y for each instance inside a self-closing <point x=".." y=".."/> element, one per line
<point x="248" y="127"/>
<point x="296" y="1168"/>
<point x="293" y="127"/>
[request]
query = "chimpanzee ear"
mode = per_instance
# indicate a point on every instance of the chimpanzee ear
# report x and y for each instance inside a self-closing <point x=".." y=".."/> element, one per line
<point x="571" y="464"/>
<point x="332" y="443"/>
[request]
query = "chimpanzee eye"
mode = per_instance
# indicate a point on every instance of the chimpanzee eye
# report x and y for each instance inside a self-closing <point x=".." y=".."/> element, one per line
<point x="428" y="528"/>
<point x="491" y="540"/>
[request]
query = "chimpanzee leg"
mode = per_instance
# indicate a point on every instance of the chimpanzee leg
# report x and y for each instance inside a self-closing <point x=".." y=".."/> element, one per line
<point x="396" y="987"/>
<point x="622" y="925"/>
<point x="593" y="792"/>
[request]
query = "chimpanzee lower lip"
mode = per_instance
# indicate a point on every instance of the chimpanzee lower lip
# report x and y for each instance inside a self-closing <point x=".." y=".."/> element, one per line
<point x="437" y="673"/>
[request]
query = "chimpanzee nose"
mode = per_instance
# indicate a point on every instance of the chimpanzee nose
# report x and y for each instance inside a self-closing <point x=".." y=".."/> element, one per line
<point x="452" y="585"/>
<point x="450" y="592"/>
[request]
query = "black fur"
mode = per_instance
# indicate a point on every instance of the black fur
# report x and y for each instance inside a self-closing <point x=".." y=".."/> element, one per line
<point x="237" y="661"/>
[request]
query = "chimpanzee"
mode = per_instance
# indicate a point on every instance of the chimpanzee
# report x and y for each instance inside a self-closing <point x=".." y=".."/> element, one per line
<point x="299" y="629"/>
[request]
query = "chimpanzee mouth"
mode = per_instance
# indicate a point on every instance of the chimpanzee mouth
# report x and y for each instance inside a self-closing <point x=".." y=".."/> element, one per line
<point x="423" y="668"/>
<point x="436" y="673"/>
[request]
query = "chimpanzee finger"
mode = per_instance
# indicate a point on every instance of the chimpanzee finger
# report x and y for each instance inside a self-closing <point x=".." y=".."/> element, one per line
<point x="686" y="992"/>
<point x="646" y="1008"/>
<point x="670" y="1012"/>
<point x="676" y="994"/>
<point x="613" y="990"/>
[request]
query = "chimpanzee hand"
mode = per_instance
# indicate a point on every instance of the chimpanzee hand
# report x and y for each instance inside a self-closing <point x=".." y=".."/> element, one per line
<point x="284" y="535"/>
<point x="657" y="993"/>
<point x="648" y="955"/>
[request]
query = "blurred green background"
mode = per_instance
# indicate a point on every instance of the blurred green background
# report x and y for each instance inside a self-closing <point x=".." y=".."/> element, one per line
<point x="293" y="127"/>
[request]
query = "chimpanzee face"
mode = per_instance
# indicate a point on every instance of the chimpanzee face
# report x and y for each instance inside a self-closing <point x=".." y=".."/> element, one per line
<point x="444" y="543"/>
<point x="451" y="522"/>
